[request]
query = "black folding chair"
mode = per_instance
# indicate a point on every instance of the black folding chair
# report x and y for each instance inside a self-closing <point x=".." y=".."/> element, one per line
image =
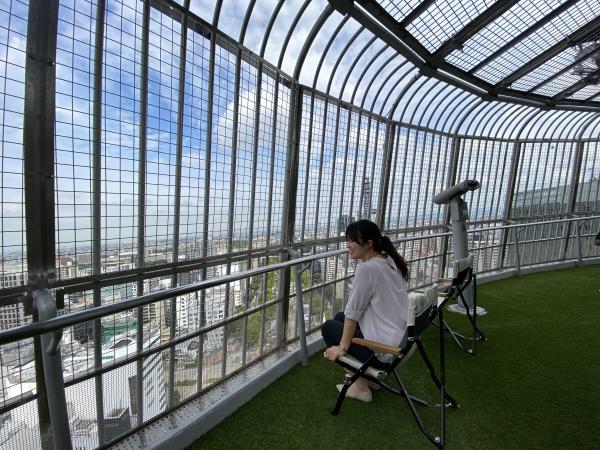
<point x="422" y="309"/>
<point x="463" y="277"/>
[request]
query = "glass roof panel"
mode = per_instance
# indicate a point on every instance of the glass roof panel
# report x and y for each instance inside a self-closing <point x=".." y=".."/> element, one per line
<point x="501" y="31"/>
<point x="534" y="44"/>
<point x="546" y="70"/>
<point x="443" y="19"/>
<point x="399" y="10"/>
<point x="558" y="84"/>
<point x="586" y="92"/>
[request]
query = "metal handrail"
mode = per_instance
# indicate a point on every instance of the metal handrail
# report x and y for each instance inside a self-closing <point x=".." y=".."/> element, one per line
<point x="38" y="328"/>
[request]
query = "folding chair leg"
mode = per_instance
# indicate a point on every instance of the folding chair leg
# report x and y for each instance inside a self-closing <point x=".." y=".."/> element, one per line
<point x="434" y="377"/>
<point x="435" y="440"/>
<point x="477" y="334"/>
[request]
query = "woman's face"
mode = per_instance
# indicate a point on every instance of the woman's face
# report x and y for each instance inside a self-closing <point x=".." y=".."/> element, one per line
<point x="358" y="251"/>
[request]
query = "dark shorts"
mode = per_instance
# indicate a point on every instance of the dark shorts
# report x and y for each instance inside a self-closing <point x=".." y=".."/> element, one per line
<point x="332" y="331"/>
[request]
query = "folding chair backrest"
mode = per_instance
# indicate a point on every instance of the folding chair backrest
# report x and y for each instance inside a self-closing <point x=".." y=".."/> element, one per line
<point x="419" y="311"/>
<point x="462" y="271"/>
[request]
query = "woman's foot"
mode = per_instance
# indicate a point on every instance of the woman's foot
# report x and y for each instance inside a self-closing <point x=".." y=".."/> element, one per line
<point x="364" y="396"/>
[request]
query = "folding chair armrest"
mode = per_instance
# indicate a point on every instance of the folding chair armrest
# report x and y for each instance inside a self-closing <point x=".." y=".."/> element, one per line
<point x="378" y="347"/>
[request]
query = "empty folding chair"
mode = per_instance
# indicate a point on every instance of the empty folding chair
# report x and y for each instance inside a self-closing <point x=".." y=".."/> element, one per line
<point x="422" y="309"/>
<point x="463" y="278"/>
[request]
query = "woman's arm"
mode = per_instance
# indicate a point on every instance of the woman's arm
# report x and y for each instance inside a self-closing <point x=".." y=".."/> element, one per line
<point x="333" y="353"/>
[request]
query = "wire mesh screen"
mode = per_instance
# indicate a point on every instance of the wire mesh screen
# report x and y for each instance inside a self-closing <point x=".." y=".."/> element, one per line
<point x="543" y="185"/>
<point x="120" y="137"/>
<point x="420" y="163"/>
<point x="163" y="82"/>
<point x="542" y="189"/>
<point x="487" y="161"/>
<point x="73" y="139"/>
<point x="13" y="32"/>
<point x="587" y="202"/>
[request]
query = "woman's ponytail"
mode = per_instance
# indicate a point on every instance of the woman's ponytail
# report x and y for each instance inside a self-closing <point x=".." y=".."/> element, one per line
<point x="364" y="230"/>
<point x="390" y="250"/>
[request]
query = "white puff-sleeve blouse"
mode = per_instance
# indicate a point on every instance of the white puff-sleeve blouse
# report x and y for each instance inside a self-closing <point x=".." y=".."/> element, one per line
<point x="379" y="301"/>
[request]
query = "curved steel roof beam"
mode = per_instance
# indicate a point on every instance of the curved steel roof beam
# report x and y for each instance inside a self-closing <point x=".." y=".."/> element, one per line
<point x="534" y="114"/>
<point x="506" y="123"/>
<point x="418" y="89"/>
<point x="478" y="127"/>
<point x="452" y="90"/>
<point x="358" y="56"/>
<point x="381" y="86"/>
<point x="574" y="125"/>
<point x="424" y="110"/>
<point x="491" y="127"/>
<point x="326" y="49"/>
<point x="441" y="97"/>
<point x="459" y="120"/>
<point x="392" y="89"/>
<point x="409" y="100"/>
<point x="310" y="39"/>
<point x="473" y="115"/>
<point x="369" y="65"/>
<point x="563" y="128"/>
<point x="217" y="14"/>
<point x="415" y="76"/>
<point x="404" y="75"/>
<point x="594" y="130"/>
<point x="518" y="125"/>
<point x="341" y="55"/>
<point x="470" y="99"/>
<point x="487" y="128"/>
<point x="263" y="46"/>
<point x="492" y="114"/>
<point x="548" y="127"/>
<point x="534" y="129"/>
<point x="244" y="27"/>
<point x="583" y="124"/>
<point x="291" y="31"/>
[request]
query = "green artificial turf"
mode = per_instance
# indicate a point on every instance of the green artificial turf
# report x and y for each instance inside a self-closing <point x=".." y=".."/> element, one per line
<point x="533" y="384"/>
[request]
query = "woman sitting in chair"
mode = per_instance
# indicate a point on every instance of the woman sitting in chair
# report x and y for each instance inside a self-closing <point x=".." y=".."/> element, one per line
<point x="377" y="309"/>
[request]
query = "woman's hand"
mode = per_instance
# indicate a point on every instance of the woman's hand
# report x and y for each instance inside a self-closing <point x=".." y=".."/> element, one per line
<point x="333" y="353"/>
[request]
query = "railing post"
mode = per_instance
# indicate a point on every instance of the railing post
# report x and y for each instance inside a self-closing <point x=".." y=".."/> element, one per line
<point x="300" y="308"/>
<point x="578" y="231"/>
<point x="517" y="252"/>
<point x="55" y="386"/>
<point x="288" y="216"/>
